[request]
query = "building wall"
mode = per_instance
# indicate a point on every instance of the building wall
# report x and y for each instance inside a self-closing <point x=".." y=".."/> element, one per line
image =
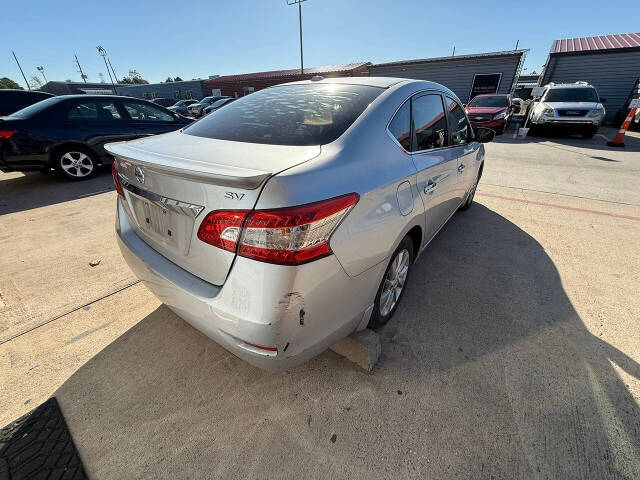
<point x="176" y="90"/>
<point x="233" y="86"/>
<point x="457" y="75"/>
<point x="613" y="73"/>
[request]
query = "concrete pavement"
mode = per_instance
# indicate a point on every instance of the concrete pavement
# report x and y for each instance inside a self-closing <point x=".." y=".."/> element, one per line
<point x="514" y="353"/>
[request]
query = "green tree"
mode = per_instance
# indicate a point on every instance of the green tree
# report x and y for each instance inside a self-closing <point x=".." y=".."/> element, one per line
<point x="168" y="80"/>
<point x="134" y="77"/>
<point x="35" y="82"/>
<point x="177" y="79"/>
<point x="8" y="83"/>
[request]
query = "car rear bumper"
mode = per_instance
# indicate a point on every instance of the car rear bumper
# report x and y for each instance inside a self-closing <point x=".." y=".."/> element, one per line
<point x="300" y="311"/>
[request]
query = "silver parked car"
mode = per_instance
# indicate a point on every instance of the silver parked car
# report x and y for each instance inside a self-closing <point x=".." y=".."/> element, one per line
<point x="291" y="218"/>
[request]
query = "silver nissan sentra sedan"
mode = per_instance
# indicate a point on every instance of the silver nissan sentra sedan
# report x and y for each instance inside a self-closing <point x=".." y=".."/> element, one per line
<point x="292" y="217"/>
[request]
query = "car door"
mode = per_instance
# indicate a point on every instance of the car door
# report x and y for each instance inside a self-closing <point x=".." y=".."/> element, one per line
<point x="148" y="119"/>
<point x="96" y="122"/>
<point x="463" y="148"/>
<point x="435" y="163"/>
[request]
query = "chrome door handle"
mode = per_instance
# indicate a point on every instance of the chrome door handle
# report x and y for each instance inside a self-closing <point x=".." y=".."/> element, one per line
<point x="430" y="186"/>
<point x="461" y="167"/>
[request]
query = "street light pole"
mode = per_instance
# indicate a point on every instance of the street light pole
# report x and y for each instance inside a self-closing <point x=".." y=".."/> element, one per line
<point x="41" y="70"/>
<point x="103" y="54"/>
<point x="299" y="3"/>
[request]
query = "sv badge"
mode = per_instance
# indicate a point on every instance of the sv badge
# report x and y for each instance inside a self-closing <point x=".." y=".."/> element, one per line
<point x="233" y="195"/>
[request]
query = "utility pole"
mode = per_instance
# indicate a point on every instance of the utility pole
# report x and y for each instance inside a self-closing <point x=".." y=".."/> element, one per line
<point x="517" y="43"/>
<point x="454" y="51"/>
<point x="299" y="3"/>
<point x="41" y="70"/>
<point x="25" y="78"/>
<point x="82" y="75"/>
<point x="103" y="53"/>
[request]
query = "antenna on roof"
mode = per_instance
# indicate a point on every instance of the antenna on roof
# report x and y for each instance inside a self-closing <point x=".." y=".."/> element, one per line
<point x="517" y="43"/>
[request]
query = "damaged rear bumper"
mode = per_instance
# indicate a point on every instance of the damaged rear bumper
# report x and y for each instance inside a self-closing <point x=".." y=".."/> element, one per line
<point x="299" y="311"/>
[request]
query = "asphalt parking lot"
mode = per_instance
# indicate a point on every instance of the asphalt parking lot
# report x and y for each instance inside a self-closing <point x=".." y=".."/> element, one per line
<point x="515" y="353"/>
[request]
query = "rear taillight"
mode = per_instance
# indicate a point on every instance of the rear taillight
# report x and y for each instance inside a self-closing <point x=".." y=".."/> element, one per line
<point x="116" y="179"/>
<point x="286" y="236"/>
<point x="6" y="133"/>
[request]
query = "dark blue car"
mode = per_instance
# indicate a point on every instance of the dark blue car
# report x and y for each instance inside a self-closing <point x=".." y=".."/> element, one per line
<point x="68" y="133"/>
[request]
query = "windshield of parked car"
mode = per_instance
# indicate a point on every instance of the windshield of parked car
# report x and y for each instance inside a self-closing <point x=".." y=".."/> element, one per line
<point x="35" y="109"/>
<point x="571" y="95"/>
<point x="206" y="100"/>
<point x="307" y="114"/>
<point x="497" y="101"/>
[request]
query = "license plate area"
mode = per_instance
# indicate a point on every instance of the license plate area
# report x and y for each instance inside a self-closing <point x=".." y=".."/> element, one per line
<point x="161" y="224"/>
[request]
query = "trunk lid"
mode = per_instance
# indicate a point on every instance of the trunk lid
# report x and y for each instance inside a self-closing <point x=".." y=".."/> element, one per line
<point x="172" y="181"/>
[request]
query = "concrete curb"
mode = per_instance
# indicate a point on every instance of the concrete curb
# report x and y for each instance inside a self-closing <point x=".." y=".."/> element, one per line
<point x="362" y="348"/>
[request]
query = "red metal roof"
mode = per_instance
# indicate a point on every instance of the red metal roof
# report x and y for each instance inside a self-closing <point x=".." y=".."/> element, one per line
<point x="295" y="71"/>
<point x="603" y="42"/>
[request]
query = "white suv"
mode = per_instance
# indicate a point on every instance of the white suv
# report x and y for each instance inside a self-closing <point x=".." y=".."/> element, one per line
<point x="568" y="105"/>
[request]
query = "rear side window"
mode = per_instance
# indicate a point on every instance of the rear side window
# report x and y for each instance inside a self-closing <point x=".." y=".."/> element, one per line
<point x="458" y="125"/>
<point x="429" y="122"/>
<point x="400" y="126"/>
<point x="94" y="111"/>
<point x="308" y="114"/>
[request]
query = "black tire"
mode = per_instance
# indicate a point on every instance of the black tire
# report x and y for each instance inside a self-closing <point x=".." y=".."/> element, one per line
<point x="76" y="163"/>
<point x="589" y="132"/>
<point x="380" y="315"/>
<point x="472" y="193"/>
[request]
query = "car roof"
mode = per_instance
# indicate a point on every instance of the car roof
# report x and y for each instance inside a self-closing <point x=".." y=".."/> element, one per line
<point x="383" y="82"/>
<point x="99" y="97"/>
<point x="492" y="95"/>
<point x="569" y="85"/>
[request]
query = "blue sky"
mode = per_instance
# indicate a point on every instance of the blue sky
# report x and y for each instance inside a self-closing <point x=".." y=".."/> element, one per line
<point x="199" y="38"/>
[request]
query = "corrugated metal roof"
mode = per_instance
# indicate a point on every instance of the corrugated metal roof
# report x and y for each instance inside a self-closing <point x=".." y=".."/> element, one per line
<point x="295" y="71"/>
<point x="602" y="42"/>
<point x="455" y="57"/>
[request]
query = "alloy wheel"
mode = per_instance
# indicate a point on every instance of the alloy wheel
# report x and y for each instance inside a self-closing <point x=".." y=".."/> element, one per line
<point x="394" y="282"/>
<point x="76" y="164"/>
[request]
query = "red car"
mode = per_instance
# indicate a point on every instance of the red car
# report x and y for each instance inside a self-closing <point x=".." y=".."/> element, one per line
<point x="490" y="111"/>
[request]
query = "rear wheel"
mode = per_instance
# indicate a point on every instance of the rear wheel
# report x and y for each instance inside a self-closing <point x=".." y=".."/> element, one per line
<point x="393" y="283"/>
<point x="76" y="163"/>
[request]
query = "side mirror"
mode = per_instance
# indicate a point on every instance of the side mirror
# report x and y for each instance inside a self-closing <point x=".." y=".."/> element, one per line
<point x="485" y="135"/>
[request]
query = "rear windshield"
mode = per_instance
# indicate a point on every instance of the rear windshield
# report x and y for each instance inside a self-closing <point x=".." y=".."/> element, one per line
<point x="489" y="102"/>
<point x="36" y="108"/>
<point x="571" y="95"/>
<point x="299" y="115"/>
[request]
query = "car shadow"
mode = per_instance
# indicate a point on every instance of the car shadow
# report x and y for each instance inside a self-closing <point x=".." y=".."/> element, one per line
<point x="23" y="192"/>
<point x="487" y="371"/>
<point x="566" y="139"/>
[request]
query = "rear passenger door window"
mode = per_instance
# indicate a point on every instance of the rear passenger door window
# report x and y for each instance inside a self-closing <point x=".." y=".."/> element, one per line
<point x="400" y="126"/>
<point x="429" y="123"/>
<point x="96" y="111"/>
<point x="458" y="124"/>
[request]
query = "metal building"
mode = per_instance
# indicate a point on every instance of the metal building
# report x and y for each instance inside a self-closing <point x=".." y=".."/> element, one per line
<point x="243" y="84"/>
<point x="466" y="75"/>
<point x="611" y="63"/>
<point x="73" y="88"/>
<point x="176" y="90"/>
